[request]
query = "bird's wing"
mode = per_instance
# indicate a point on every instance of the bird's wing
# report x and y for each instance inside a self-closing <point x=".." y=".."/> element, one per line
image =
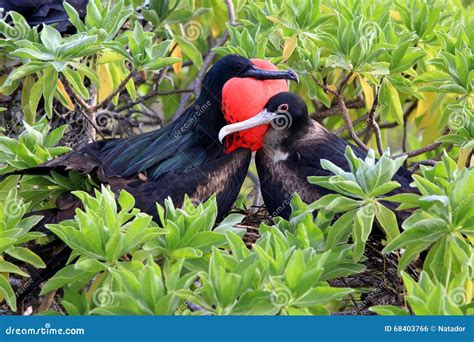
<point x="177" y="147"/>
<point x="280" y="180"/>
<point x="322" y="144"/>
<point x="223" y="176"/>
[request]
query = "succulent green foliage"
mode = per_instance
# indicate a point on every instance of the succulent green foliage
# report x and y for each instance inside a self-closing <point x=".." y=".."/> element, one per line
<point x="34" y="146"/>
<point x="15" y="231"/>
<point x="101" y="235"/>
<point x="244" y="43"/>
<point x="142" y="289"/>
<point x="461" y="121"/>
<point x="358" y="198"/>
<point x="101" y="20"/>
<point x="47" y="56"/>
<point x="304" y="231"/>
<point x="142" y="52"/>
<point x="190" y="232"/>
<point x="429" y="297"/>
<point x="17" y="29"/>
<point x="272" y="278"/>
<point x="104" y="231"/>
<point x="443" y="224"/>
<point x="134" y="288"/>
<point x="275" y="277"/>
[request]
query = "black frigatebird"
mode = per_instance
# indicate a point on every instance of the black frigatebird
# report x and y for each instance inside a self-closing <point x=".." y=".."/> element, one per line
<point x="292" y="149"/>
<point x="184" y="157"/>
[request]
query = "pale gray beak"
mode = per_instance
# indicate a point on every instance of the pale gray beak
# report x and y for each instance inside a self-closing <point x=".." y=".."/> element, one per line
<point x="262" y="118"/>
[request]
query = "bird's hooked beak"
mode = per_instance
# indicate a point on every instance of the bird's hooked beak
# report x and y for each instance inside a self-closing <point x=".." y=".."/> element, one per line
<point x="262" y="118"/>
<point x="263" y="74"/>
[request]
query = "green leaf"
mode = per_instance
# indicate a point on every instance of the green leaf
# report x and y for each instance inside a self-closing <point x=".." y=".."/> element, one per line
<point x="187" y="252"/>
<point x="67" y="275"/>
<point x="26" y="255"/>
<point x="160" y="63"/>
<point x="190" y="50"/>
<point x="49" y="86"/>
<point x="8" y="267"/>
<point x="90" y="265"/>
<point x="389" y="310"/>
<point x="341" y="229"/>
<point x="74" y="17"/>
<point x="428" y="230"/>
<point x="50" y="37"/>
<point x="322" y="295"/>
<point x="25" y="70"/>
<point x="389" y="103"/>
<point x="387" y="219"/>
<point x="362" y="227"/>
<point x="295" y="269"/>
<point x="76" y="82"/>
<point x="7" y="292"/>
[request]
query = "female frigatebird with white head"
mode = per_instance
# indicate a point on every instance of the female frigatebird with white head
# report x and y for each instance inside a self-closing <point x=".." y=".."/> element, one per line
<point x="293" y="147"/>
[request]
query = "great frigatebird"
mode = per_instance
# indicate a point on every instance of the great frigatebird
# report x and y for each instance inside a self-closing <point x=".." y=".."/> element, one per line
<point x="292" y="149"/>
<point x="184" y="157"/>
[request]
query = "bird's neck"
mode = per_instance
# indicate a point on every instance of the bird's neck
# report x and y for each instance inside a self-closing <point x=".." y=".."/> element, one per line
<point x="280" y="144"/>
<point x="207" y="113"/>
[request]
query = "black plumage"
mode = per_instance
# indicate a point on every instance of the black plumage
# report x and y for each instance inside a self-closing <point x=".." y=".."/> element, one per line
<point x="50" y="12"/>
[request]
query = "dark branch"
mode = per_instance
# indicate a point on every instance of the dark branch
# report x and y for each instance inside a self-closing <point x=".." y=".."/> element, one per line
<point x="348" y="122"/>
<point x="323" y="86"/>
<point x="210" y="56"/>
<point x="371" y="120"/>
<point x="414" y="153"/>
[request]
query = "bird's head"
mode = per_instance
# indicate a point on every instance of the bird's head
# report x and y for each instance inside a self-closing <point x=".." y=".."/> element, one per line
<point x="238" y="67"/>
<point x="248" y="84"/>
<point x="286" y="116"/>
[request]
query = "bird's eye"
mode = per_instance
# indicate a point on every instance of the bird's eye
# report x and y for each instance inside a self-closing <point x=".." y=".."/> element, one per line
<point x="238" y="67"/>
<point x="283" y="107"/>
